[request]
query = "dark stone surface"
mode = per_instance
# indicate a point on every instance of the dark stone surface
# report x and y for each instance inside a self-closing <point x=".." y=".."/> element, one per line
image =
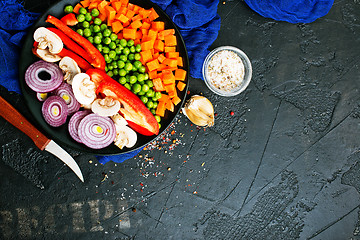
<point x="286" y="165"/>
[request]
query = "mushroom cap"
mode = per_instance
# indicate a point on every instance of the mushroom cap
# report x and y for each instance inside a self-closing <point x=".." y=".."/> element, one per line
<point x="48" y="39"/>
<point x="70" y="68"/>
<point x="84" y="89"/>
<point x="106" y="107"/>
<point x="47" y="56"/>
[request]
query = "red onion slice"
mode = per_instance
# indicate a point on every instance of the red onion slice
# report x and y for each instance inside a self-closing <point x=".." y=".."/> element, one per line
<point x="54" y="110"/>
<point x="41" y="96"/>
<point x="96" y="131"/>
<point x="65" y="91"/>
<point x="74" y="121"/>
<point x="37" y="83"/>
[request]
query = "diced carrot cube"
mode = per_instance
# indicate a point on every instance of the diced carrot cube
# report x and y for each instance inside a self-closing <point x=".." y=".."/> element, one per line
<point x="152" y="65"/>
<point x="122" y="18"/>
<point x="176" y="100"/>
<point x="161" y="58"/>
<point x="170" y="62"/>
<point x="146" y="25"/>
<point x="77" y="7"/>
<point x="181" y="86"/>
<point x="136" y="24"/>
<point x="159" y="45"/>
<point x="170" y="40"/>
<point x="129" y="33"/>
<point x="164" y="98"/>
<point x="158" y="85"/>
<point x="169" y="105"/>
<point x="160" y="110"/>
<point x="172" y="94"/>
<point x="180" y="61"/>
<point x="147" y="45"/>
<point x="169" y="49"/>
<point x="85" y="3"/>
<point x="180" y="74"/>
<point x="158" y="26"/>
<point x="116" y="26"/>
<point x="170" y="88"/>
<point x="116" y="5"/>
<point x="130" y="14"/>
<point x="172" y="54"/>
<point x="153" y="74"/>
<point x="153" y="15"/>
<point x="146" y="56"/>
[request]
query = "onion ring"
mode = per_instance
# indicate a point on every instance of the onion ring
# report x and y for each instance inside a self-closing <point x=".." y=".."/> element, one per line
<point x="55" y="111"/>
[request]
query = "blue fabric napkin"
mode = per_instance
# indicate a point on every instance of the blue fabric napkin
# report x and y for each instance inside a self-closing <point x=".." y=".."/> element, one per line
<point x="14" y="20"/>
<point x="198" y="23"/>
<point x="293" y="11"/>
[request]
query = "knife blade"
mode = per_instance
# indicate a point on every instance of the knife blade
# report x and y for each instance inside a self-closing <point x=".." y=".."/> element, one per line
<point x="10" y="114"/>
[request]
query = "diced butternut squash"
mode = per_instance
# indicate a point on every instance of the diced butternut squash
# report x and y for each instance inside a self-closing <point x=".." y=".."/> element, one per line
<point x="152" y="65"/>
<point x="158" y="85"/>
<point x="181" y="85"/>
<point x="180" y="74"/>
<point x="129" y="33"/>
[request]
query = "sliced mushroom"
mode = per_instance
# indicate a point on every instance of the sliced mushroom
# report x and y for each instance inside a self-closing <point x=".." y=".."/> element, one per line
<point x="119" y="120"/>
<point x="47" y="56"/>
<point x="105" y="107"/>
<point x="70" y="68"/>
<point x="84" y="89"/>
<point x="125" y="136"/>
<point x="48" y="39"/>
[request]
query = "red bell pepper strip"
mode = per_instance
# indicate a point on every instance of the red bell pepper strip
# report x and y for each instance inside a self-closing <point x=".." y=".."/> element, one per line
<point x="98" y="60"/>
<point x="134" y="111"/>
<point x="84" y="65"/>
<point x="69" y="19"/>
<point x="71" y="45"/>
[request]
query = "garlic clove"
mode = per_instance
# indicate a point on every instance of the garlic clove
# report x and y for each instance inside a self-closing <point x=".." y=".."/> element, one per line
<point x="200" y="111"/>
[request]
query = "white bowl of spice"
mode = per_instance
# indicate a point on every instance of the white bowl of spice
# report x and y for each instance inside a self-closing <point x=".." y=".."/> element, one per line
<point x="227" y="71"/>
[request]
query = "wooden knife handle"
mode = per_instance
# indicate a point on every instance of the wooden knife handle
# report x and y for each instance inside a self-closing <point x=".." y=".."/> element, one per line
<point x="10" y="114"/>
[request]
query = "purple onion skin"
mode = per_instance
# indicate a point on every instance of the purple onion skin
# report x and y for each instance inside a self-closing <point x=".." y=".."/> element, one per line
<point x="34" y="82"/>
<point x="96" y="140"/>
<point x="74" y="105"/>
<point x="54" y="121"/>
<point x="73" y="124"/>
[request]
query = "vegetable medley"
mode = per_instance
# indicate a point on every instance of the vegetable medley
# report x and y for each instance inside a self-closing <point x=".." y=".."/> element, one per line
<point x="112" y="68"/>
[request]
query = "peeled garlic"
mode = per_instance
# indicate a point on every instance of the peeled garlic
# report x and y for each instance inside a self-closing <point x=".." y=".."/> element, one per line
<point x="200" y="111"/>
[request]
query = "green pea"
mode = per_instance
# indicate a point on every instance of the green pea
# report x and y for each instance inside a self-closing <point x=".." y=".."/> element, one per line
<point x="97" y="39"/>
<point x="128" y="66"/>
<point x="68" y="9"/>
<point x="120" y="64"/>
<point x="137" y="63"/>
<point x="123" y="42"/>
<point x="87" y="32"/>
<point x="116" y="57"/>
<point x="136" y="88"/>
<point x="146" y="76"/>
<point x="130" y="43"/>
<point x="127" y="86"/>
<point x="132" y="49"/>
<point x="112" y="54"/>
<point x="159" y="125"/>
<point x="99" y="34"/>
<point x="153" y="111"/>
<point x="85" y="24"/>
<point x="138" y="48"/>
<point x="110" y="73"/>
<point x="117" y="50"/>
<point x="91" y="39"/>
<point x="150" y="104"/>
<point x="141" y="93"/>
<point x="80" y="18"/>
<point x="137" y="56"/>
<point x="82" y="11"/>
<point x="133" y="80"/>
<point x="155" y="104"/>
<point x="126" y="51"/>
<point x="142" y="69"/>
<point x="106" y="69"/>
<point x="95" y="12"/>
<point x="114" y="64"/>
<point x="106" y="57"/>
<point x="157" y="95"/>
<point x="112" y="45"/>
<point x="116" y="72"/>
<point x="145" y="88"/>
<point x="131" y="57"/>
<point x="122" y="72"/>
<point x="123" y="58"/>
<point x="103" y="27"/>
<point x="122" y="80"/>
<point x="96" y="28"/>
<point x="80" y="31"/>
<point x="144" y="99"/>
<point x="149" y="83"/>
<point x="99" y="46"/>
<point x="113" y="37"/>
<point x="110" y="67"/>
<point x="97" y="21"/>
<point x="150" y="93"/>
<point x="107" y="40"/>
<point x="141" y="77"/>
<point x="106" y="50"/>
<point x="158" y="118"/>
<point x="88" y="17"/>
<point x="107" y="33"/>
<point x="91" y="27"/>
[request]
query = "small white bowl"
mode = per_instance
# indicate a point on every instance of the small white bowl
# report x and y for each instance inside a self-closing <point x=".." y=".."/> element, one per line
<point x="241" y="86"/>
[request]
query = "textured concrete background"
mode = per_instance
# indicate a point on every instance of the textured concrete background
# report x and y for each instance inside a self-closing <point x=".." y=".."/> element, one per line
<point x="286" y="165"/>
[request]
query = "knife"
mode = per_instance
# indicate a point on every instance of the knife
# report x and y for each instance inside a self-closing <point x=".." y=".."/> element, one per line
<point x="10" y="114"/>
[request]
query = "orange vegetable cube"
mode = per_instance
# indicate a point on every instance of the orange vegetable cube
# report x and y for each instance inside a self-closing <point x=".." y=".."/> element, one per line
<point x="152" y="65"/>
<point x="116" y="5"/>
<point x="180" y="61"/>
<point x="130" y="14"/>
<point x="146" y="56"/>
<point x="158" y="85"/>
<point x="170" y="40"/>
<point x="122" y="18"/>
<point x="146" y="25"/>
<point x="172" y="54"/>
<point x="164" y="98"/>
<point x="170" y="88"/>
<point x="136" y="24"/>
<point x="169" y="49"/>
<point x="169" y="105"/>
<point x="147" y="45"/>
<point x="160" y="110"/>
<point x="153" y="15"/>
<point x="158" y="26"/>
<point x="159" y="45"/>
<point x="180" y="74"/>
<point x="129" y="33"/>
<point x="161" y="58"/>
<point x="181" y="86"/>
<point x="153" y="74"/>
<point x="116" y="26"/>
<point x="170" y="62"/>
<point x="176" y="100"/>
<point x="77" y="7"/>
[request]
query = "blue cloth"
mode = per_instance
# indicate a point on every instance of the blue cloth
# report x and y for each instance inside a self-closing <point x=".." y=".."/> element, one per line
<point x="14" y="20"/>
<point x="198" y="23"/>
<point x="292" y="11"/>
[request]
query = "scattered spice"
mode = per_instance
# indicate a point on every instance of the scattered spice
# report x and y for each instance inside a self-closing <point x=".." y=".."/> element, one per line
<point x="232" y="113"/>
